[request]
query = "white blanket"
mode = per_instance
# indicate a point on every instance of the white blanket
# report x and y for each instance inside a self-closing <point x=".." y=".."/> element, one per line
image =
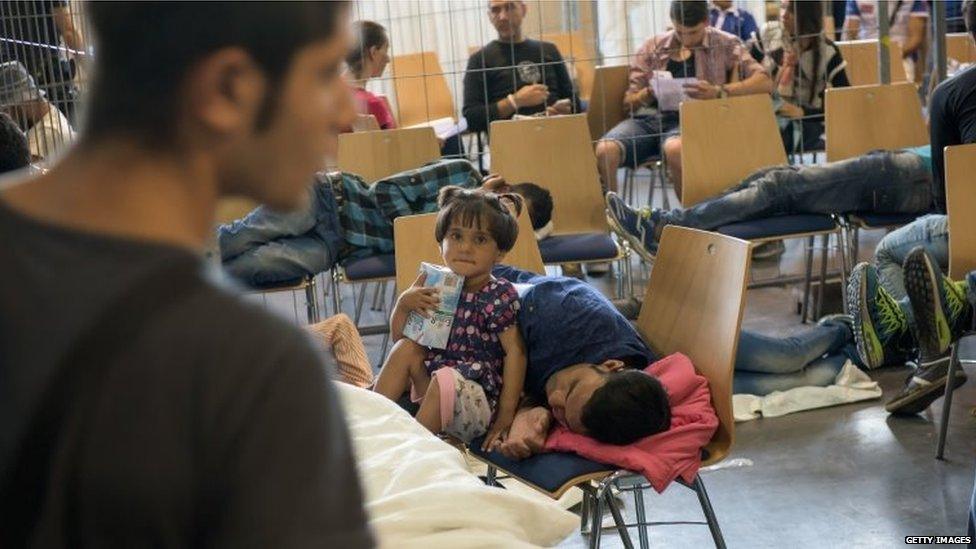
<point x="850" y="385"/>
<point x="419" y="492"/>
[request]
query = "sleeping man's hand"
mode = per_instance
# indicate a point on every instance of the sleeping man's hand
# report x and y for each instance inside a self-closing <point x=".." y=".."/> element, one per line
<point x="527" y="435"/>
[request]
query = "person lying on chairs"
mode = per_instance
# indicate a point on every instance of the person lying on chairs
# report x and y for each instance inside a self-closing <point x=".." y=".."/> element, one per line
<point x="347" y="218"/>
<point x="884" y="182"/>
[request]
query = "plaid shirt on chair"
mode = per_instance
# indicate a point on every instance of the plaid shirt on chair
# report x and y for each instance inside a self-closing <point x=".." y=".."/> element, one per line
<point x="367" y="212"/>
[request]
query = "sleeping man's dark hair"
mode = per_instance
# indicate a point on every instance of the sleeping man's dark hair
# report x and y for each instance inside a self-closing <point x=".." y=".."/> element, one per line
<point x="629" y="406"/>
<point x="145" y="49"/>
<point x="14" y="149"/>
<point x="540" y="199"/>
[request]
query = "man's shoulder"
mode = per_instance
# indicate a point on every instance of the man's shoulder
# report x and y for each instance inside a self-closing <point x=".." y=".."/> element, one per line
<point x="962" y="82"/>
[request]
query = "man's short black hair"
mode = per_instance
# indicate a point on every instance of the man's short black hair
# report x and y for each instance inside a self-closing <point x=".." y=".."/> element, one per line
<point x="14" y="149"/>
<point x="689" y="13"/>
<point x="540" y="211"/>
<point x="630" y="406"/>
<point x="144" y="50"/>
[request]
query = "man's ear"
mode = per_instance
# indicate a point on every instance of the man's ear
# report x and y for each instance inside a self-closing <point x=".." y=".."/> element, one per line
<point x="225" y="91"/>
<point x="612" y="365"/>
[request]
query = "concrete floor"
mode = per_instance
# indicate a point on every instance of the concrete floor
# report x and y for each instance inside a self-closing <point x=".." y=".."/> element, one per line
<point x="847" y="476"/>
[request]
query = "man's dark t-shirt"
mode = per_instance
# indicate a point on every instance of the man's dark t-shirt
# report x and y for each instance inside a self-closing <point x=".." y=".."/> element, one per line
<point x="216" y="426"/>
<point x="952" y="121"/>
<point x="501" y="68"/>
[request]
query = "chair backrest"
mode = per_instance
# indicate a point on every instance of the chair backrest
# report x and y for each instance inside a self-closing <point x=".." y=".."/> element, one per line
<point x="865" y="118"/>
<point x="555" y="153"/>
<point x="693" y="305"/>
<point x="377" y="154"/>
<point x="723" y="141"/>
<point x="421" y="90"/>
<point x="960" y="46"/>
<point x="862" y="62"/>
<point x="960" y="178"/>
<point x="413" y="239"/>
<point x="580" y="58"/>
<point x="606" y="108"/>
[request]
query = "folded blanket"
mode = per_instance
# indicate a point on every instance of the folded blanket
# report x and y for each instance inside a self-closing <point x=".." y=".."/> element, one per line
<point x="665" y="456"/>
<point x="850" y="385"/>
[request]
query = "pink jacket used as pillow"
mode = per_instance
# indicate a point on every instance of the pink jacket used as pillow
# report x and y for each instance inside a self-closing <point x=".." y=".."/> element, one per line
<point x="665" y="456"/>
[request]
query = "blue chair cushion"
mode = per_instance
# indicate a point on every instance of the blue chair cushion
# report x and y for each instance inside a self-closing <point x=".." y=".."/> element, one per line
<point x="549" y="471"/>
<point x="885" y="220"/>
<point x="781" y="225"/>
<point x="377" y="266"/>
<point x="567" y="248"/>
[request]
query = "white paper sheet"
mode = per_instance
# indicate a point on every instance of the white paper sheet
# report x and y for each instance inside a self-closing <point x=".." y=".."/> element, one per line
<point x="670" y="91"/>
<point x="444" y="127"/>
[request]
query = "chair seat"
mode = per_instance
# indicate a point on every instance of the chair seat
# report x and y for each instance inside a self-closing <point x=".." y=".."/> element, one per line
<point x="566" y="248"/>
<point x="884" y="220"/>
<point x="553" y="473"/>
<point x="281" y="286"/>
<point x="377" y="266"/>
<point x="782" y="225"/>
<point x="966" y="351"/>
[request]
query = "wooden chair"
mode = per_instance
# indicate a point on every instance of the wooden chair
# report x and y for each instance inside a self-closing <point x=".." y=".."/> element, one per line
<point x="374" y="155"/>
<point x="413" y="238"/>
<point x="859" y="120"/>
<point x="960" y="46"/>
<point x="960" y="167"/>
<point x="606" y="108"/>
<point x="580" y="58"/>
<point x="710" y="165"/>
<point x="421" y="89"/>
<point x="684" y="311"/>
<point x="233" y="208"/>
<point x="862" y="62"/>
<point x="863" y="118"/>
<point x="556" y="153"/>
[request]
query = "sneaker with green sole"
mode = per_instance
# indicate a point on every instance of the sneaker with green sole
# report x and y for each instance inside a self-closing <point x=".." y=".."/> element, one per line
<point x="940" y="305"/>
<point x="880" y="325"/>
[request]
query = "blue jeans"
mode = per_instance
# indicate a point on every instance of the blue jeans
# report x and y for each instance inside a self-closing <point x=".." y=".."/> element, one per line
<point x="814" y="357"/>
<point x="268" y="247"/>
<point x="642" y="136"/>
<point x="879" y="182"/>
<point x="931" y="232"/>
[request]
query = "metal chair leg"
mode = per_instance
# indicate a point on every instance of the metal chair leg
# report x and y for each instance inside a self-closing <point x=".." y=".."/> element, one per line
<point x="585" y="513"/>
<point x="947" y="402"/>
<point x="336" y="303"/>
<point x="490" y="476"/>
<point x="618" y="519"/>
<point x="706" y="506"/>
<point x="359" y="303"/>
<point x="386" y="336"/>
<point x="842" y="249"/>
<point x="374" y="305"/>
<point x="825" y="242"/>
<point x="641" y="518"/>
<point x="805" y="309"/>
<point x="596" y="520"/>
<point x="311" y="301"/>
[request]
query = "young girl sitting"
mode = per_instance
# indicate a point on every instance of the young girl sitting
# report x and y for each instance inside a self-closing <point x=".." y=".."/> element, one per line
<point x="476" y="381"/>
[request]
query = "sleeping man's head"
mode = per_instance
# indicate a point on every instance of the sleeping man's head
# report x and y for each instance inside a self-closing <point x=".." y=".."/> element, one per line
<point x="609" y="402"/>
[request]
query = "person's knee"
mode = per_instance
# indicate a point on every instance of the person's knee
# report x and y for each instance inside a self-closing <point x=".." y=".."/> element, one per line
<point x="608" y="151"/>
<point x="406" y="349"/>
<point x="672" y="148"/>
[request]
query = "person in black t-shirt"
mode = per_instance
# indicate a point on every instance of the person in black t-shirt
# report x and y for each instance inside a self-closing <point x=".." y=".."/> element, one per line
<point x="514" y="74"/>
<point x="163" y="410"/>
